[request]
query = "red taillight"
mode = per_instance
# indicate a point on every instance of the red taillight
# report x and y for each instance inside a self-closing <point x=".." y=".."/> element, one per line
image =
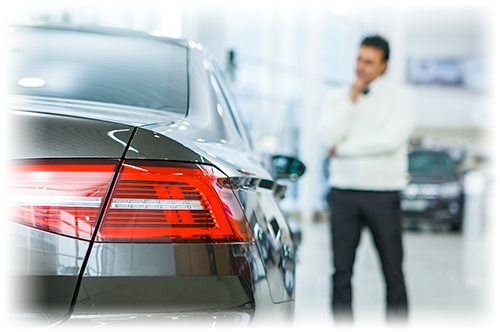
<point x="151" y="201"/>
<point x="59" y="196"/>
<point x="171" y="202"/>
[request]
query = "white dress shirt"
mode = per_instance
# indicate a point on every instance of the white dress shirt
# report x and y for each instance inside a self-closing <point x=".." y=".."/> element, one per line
<point x="370" y="136"/>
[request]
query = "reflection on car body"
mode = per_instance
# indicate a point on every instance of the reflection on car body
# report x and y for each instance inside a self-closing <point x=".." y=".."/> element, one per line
<point x="134" y="192"/>
<point x="435" y="193"/>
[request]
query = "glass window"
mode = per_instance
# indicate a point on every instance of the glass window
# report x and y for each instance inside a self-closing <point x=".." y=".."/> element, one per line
<point x="232" y="107"/>
<point x="97" y="67"/>
<point x="431" y="163"/>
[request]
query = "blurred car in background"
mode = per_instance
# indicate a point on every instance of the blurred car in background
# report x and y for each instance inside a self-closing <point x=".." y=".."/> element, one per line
<point x="134" y="193"/>
<point x="434" y="195"/>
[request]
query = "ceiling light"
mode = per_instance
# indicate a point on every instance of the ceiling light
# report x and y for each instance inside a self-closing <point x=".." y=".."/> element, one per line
<point x="31" y="82"/>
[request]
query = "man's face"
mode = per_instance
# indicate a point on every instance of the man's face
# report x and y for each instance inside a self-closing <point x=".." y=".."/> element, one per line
<point x="371" y="63"/>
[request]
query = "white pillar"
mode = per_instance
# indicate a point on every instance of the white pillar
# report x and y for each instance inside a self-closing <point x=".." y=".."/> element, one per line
<point x="397" y="43"/>
<point x="276" y="80"/>
<point x="309" y="151"/>
<point x="474" y="188"/>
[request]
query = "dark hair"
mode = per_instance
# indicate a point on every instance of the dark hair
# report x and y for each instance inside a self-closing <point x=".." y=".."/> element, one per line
<point x="378" y="42"/>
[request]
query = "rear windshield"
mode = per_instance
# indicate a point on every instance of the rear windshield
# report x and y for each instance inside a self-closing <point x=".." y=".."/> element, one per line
<point x="431" y="163"/>
<point x="97" y="67"/>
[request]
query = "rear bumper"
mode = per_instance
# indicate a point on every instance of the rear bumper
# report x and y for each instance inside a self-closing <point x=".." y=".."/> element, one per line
<point x="153" y="295"/>
<point x="263" y="313"/>
<point x="201" y="302"/>
<point x="200" y="319"/>
<point x="129" y="283"/>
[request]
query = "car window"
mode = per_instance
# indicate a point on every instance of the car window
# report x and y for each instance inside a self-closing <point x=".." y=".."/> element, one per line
<point x="97" y="67"/>
<point x="432" y="163"/>
<point x="233" y="136"/>
<point x="233" y="108"/>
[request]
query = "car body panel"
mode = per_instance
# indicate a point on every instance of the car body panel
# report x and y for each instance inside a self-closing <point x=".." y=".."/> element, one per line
<point x="274" y="239"/>
<point x="147" y="144"/>
<point x="156" y="294"/>
<point x="40" y="135"/>
<point x="127" y="115"/>
<point x="165" y="277"/>
<point x="44" y="270"/>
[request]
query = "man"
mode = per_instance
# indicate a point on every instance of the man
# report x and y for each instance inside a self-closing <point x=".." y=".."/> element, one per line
<point x="366" y="127"/>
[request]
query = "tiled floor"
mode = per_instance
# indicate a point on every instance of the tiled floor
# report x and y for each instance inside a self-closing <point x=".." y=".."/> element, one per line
<point x="445" y="276"/>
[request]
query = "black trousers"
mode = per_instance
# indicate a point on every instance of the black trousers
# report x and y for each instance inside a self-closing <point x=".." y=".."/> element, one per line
<point x="351" y="210"/>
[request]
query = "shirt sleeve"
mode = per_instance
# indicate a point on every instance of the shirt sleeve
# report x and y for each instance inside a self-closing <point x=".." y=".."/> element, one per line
<point x="390" y="137"/>
<point x="334" y="118"/>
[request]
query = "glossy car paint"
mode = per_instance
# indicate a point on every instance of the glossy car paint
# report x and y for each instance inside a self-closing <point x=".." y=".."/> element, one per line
<point x="72" y="280"/>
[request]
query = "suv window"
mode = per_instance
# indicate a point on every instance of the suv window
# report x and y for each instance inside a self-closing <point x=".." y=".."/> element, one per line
<point x="432" y="163"/>
<point x="97" y="67"/>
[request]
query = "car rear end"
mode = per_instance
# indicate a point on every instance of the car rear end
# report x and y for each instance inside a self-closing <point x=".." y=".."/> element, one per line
<point x="101" y="234"/>
<point x="113" y="222"/>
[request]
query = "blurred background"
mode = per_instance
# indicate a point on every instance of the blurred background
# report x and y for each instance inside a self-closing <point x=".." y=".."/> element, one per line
<point x="281" y="59"/>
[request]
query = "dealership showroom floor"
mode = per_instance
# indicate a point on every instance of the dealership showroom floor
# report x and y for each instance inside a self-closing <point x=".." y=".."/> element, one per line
<point x="446" y="276"/>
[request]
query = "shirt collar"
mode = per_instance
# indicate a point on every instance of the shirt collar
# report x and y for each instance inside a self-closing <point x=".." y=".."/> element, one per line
<point x="375" y="84"/>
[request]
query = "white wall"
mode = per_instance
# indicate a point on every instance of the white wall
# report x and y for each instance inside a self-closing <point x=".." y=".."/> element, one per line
<point x="449" y="33"/>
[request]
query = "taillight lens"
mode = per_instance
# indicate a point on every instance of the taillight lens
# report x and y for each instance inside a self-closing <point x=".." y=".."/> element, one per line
<point x="59" y="196"/>
<point x="151" y="201"/>
<point x="155" y="201"/>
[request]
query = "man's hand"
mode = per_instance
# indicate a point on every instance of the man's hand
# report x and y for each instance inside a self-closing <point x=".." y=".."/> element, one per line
<point x="332" y="152"/>
<point x="357" y="87"/>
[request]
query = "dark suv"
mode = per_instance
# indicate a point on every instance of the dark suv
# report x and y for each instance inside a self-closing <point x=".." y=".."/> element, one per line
<point x="434" y="194"/>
